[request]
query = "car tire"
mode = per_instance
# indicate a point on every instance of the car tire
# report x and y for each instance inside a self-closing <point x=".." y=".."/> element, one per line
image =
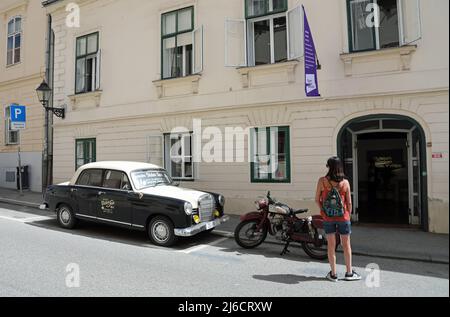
<point x="161" y="232"/>
<point x="66" y="217"/>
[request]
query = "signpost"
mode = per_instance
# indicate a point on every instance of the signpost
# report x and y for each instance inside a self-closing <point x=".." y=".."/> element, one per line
<point x="18" y="119"/>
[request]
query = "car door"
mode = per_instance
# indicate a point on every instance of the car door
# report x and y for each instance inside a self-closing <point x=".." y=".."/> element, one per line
<point x="114" y="205"/>
<point x="86" y="192"/>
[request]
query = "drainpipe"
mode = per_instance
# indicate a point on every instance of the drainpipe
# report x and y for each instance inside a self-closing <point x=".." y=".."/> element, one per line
<point x="47" y="161"/>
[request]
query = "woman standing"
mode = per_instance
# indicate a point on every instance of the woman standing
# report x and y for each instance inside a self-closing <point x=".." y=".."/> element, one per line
<point x="333" y="197"/>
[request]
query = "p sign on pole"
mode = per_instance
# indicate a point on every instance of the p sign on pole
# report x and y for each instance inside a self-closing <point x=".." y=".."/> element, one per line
<point x="18" y="117"/>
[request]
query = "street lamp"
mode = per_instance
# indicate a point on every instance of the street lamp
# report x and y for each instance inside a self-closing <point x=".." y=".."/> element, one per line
<point x="44" y="93"/>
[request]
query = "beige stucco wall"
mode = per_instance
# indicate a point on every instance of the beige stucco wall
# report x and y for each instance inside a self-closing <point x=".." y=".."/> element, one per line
<point x="18" y="83"/>
<point x="131" y="106"/>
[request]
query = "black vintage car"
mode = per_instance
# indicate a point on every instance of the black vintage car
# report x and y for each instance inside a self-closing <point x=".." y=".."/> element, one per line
<point x="136" y="196"/>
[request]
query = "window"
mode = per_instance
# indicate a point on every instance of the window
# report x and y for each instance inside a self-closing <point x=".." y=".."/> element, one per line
<point x="91" y="178"/>
<point x="178" y="156"/>
<point x="11" y="136"/>
<point x="270" y="155"/>
<point x="116" y="180"/>
<point x="256" y="8"/>
<point x="150" y="178"/>
<point x="85" y="152"/>
<point x="270" y="34"/>
<point x="87" y="74"/>
<point x="181" y="45"/>
<point x="267" y="34"/>
<point x="379" y="24"/>
<point x="14" y="41"/>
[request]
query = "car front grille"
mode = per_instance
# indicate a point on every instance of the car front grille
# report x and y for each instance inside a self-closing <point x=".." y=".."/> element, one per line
<point x="207" y="206"/>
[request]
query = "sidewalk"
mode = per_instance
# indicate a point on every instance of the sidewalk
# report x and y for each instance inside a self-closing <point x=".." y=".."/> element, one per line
<point x="29" y="199"/>
<point x="394" y="243"/>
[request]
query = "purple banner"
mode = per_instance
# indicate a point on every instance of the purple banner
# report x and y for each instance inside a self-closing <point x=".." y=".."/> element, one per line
<point x="311" y="82"/>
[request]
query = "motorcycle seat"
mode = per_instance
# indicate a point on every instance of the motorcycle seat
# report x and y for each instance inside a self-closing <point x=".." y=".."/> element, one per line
<point x="300" y="211"/>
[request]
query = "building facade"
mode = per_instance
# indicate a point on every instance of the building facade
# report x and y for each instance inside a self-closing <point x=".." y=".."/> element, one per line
<point x="22" y="68"/>
<point x="132" y="72"/>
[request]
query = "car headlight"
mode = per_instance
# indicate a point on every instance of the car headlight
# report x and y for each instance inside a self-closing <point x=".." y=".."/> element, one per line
<point x="188" y="208"/>
<point x="222" y="200"/>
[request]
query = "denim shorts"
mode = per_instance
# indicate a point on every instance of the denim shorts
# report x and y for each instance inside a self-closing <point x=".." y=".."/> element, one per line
<point x="342" y="227"/>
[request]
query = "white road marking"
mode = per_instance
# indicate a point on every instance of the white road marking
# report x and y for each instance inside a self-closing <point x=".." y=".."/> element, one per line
<point x="25" y="220"/>
<point x="203" y="246"/>
<point x="22" y="217"/>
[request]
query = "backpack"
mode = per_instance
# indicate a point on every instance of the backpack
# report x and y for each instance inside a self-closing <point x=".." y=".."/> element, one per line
<point x="333" y="205"/>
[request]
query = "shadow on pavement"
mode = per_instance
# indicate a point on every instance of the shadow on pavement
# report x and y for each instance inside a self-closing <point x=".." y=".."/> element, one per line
<point x="122" y="235"/>
<point x="297" y="254"/>
<point x="290" y="279"/>
<point x="268" y="250"/>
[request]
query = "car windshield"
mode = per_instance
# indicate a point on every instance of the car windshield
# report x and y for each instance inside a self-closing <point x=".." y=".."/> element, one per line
<point x="150" y="178"/>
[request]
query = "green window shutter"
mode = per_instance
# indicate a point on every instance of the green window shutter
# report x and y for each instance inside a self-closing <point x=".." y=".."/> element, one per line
<point x="277" y="156"/>
<point x="85" y="152"/>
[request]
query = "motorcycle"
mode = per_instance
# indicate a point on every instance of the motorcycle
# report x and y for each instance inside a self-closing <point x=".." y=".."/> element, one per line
<point x="281" y="221"/>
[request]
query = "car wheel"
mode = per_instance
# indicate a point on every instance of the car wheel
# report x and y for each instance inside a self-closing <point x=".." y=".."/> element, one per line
<point x="161" y="232"/>
<point x="66" y="217"/>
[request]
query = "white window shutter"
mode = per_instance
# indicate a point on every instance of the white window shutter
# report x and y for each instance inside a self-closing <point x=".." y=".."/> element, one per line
<point x="409" y="21"/>
<point x="98" y="63"/>
<point x="295" y="33"/>
<point x="155" y="148"/>
<point x="197" y="44"/>
<point x="235" y="43"/>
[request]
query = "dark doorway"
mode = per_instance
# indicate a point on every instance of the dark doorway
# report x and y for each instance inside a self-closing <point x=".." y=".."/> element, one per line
<point x="383" y="188"/>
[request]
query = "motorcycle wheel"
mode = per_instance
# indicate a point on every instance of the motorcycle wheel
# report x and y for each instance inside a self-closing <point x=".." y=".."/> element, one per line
<point x="317" y="253"/>
<point x="246" y="236"/>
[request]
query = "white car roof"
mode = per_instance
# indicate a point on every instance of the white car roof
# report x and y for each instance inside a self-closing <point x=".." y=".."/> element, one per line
<point x="126" y="167"/>
<point x="120" y="166"/>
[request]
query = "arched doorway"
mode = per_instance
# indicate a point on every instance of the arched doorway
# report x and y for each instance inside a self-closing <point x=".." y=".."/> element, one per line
<point x="385" y="159"/>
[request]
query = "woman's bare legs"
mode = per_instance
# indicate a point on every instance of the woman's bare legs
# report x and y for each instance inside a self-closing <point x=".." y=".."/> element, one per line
<point x="331" y="238"/>
<point x="346" y="245"/>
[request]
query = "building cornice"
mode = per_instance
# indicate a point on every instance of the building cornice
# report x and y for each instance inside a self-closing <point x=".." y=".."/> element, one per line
<point x="247" y="107"/>
<point x="22" y="5"/>
<point x="7" y="83"/>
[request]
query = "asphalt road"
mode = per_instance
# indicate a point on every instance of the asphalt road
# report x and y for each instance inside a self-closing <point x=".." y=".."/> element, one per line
<point x="37" y="258"/>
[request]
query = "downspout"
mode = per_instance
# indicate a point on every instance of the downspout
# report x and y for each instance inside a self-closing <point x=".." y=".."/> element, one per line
<point x="47" y="160"/>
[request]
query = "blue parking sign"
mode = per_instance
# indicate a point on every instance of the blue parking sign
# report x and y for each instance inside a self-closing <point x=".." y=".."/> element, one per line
<point x="18" y="117"/>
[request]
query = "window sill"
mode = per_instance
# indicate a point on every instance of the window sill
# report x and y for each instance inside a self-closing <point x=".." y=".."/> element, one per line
<point x="188" y="85"/>
<point x="10" y="66"/>
<point x="86" y="100"/>
<point x="270" y="74"/>
<point x="376" y="61"/>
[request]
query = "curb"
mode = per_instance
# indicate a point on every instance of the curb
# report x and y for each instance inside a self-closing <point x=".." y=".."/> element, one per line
<point x="19" y="203"/>
<point x="230" y="235"/>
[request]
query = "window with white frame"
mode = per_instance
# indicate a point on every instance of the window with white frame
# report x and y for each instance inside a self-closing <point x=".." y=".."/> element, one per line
<point x="269" y="34"/>
<point x="14" y="41"/>
<point x="380" y="24"/>
<point x="88" y="54"/>
<point x="178" y="157"/>
<point x="181" y="44"/>
<point x="11" y="136"/>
